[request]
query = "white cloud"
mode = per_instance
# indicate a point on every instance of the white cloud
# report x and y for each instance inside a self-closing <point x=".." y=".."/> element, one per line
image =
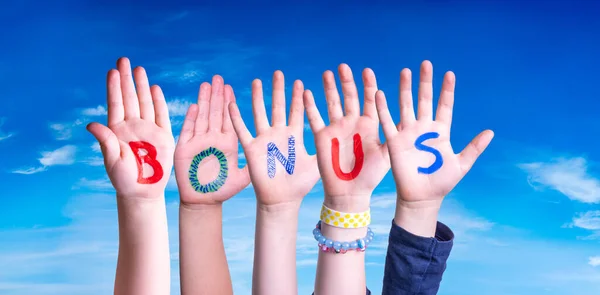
<point x="64" y="131"/>
<point x="93" y="112"/>
<point x="30" y="170"/>
<point x="61" y="156"/>
<point x="178" y="107"/>
<point x="3" y="135"/>
<point x="594" y="261"/>
<point x="568" y="176"/>
<point x="94" y="184"/>
<point x="94" y="161"/>
<point x="96" y="147"/>
<point x="589" y="220"/>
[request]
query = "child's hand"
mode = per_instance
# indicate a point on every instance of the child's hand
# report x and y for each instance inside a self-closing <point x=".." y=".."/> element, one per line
<point x="423" y="163"/>
<point x="206" y="157"/>
<point x="138" y="143"/>
<point x="280" y="168"/>
<point x="352" y="160"/>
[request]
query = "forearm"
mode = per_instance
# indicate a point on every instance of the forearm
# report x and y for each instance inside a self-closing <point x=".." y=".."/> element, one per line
<point x="143" y="266"/>
<point x="418" y="218"/>
<point x="342" y="273"/>
<point x="418" y="249"/>
<point x="202" y="260"/>
<point x="275" y="250"/>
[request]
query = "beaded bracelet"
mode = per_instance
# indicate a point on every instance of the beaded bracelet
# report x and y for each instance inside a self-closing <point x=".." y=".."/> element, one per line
<point x="327" y="245"/>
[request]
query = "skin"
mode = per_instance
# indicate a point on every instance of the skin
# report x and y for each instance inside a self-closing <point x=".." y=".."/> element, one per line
<point x="203" y="263"/>
<point x="420" y="195"/>
<point x="345" y="273"/>
<point x="279" y="198"/>
<point x="143" y="265"/>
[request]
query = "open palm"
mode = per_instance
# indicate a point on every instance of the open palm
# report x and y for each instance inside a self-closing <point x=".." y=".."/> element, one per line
<point x="280" y="168"/>
<point x="352" y="160"/>
<point x="206" y="156"/>
<point x="424" y="164"/>
<point x="138" y="143"/>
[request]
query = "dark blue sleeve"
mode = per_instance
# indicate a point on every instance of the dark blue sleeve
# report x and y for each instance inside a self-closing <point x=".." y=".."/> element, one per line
<point x="414" y="265"/>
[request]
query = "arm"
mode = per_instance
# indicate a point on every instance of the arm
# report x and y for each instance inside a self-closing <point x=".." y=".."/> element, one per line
<point x="419" y="247"/>
<point x="352" y="162"/>
<point x="138" y="135"/>
<point x="207" y="173"/>
<point x="282" y="173"/>
<point x="143" y="265"/>
<point x="275" y="250"/>
<point x="203" y="264"/>
<point x="341" y="273"/>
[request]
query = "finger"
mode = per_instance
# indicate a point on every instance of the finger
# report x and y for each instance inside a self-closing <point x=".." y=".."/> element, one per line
<point x="238" y="124"/>
<point x="187" y="130"/>
<point x="370" y="88"/>
<point x="109" y="144"/>
<point x="161" y="110"/>
<point x="407" y="111"/>
<point x="130" y="100"/>
<point x="473" y="150"/>
<point x="425" y="106"/>
<point x="312" y="112"/>
<point x="278" y="97"/>
<point x="385" y="118"/>
<point x="243" y="178"/>
<point x="258" y="108"/>
<point x="229" y="98"/>
<point x="334" y="107"/>
<point x="143" y="94"/>
<point x="215" y="115"/>
<point x="351" y="103"/>
<point x="446" y="102"/>
<point x="114" y="98"/>
<point x="204" y="94"/>
<point x="297" y="108"/>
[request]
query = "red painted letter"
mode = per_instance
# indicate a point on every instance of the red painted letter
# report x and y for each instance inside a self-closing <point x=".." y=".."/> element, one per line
<point x="358" y="155"/>
<point x="149" y="158"/>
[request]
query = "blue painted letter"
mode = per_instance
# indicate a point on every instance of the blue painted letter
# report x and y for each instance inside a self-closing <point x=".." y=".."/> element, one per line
<point x="439" y="161"/>
<point x="289" y="162"/>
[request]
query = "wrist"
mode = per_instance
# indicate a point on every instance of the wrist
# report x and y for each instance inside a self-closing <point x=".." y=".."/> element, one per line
<point x="348" y="203"/>
<point x="279" y="215"/>
<point x="418" y="218"/>
<point x="202" y="208"/>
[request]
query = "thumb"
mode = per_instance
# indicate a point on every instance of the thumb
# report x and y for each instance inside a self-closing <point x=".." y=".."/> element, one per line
<point x="109" y="143"/>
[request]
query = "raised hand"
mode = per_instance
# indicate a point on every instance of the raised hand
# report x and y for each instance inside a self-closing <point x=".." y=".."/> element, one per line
<point x="282" y="173"/>
<point x="137" y="144"/>
<point x="280" y="168"/>
<point x="206" y="156"/>
<point x="352" y="160"/>
<point x="423" y="162"/>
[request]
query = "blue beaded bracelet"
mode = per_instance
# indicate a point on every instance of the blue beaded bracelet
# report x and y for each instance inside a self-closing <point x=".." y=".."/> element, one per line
<point x="327" y="245"/>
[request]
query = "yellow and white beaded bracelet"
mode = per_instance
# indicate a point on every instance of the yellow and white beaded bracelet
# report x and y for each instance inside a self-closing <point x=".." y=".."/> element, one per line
<point x="345" y="220"/>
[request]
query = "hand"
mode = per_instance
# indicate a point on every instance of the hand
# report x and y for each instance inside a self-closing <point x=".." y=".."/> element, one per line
<point x="423" y="163"/>
<point x="211" y="177"/>
<point x="351" y="158"/>
<point x="280" y="168"/>
<point x="138" y="143"/>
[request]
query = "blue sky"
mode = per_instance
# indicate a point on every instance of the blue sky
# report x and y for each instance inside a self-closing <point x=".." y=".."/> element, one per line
<point x="526" y="218"/>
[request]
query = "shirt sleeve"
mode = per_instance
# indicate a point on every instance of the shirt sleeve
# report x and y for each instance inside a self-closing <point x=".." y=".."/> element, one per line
<point x="414" y="265"/>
